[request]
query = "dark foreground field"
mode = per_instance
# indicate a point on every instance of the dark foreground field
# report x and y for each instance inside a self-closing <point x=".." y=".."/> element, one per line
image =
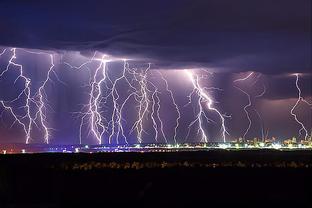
<point x="176" y="179"/>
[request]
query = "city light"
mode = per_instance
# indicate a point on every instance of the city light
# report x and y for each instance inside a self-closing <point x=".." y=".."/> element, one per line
<point x="242" y="146"/>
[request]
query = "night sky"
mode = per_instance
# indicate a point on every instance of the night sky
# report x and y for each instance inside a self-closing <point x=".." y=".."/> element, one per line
<point x="219" y="41"/>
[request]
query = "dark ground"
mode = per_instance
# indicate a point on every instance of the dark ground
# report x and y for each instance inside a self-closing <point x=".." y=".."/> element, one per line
<point x="208" y="179"/>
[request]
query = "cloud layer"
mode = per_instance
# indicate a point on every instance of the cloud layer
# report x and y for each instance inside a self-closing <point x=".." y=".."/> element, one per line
<point x="265" y="36"/>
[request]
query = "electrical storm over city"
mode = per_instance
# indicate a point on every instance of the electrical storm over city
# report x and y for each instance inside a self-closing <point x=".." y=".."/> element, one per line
<point x="153" y="77"/>
<point x="155" y="103"/>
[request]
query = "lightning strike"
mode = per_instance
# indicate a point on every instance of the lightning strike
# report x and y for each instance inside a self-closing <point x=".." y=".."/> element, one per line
<point x="98" y="128"/>
<point x="145" y="95"/>
<point x="144" y="103"/>
<point x="39" y="99"/>
<point x="204" y="97"/>
<point x="259" y="116"/>
<point x="175" y="105"/>
<point x="248" y="105"/>
<point x="300" y="98"/>
<point x="42" y="107"/>
<point x="117" y="110"/>
<point x="155" y="118"/>
<point x="26" y="91"/>
<point x="16" y="118"/>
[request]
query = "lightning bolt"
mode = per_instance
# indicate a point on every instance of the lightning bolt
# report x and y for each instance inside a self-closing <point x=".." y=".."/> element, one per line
<point x="300" y="98"/>
<point x="117" y="110"/>
<point x="114" y="127"/>
<point x="204" y="97"/>
<point x="88" y="113"/>
<point x="39" y="99"/>
<point x="144" y="103"/>
<point x="16" y="118"/>
<point x="156" y="110"/>
<point x="246" y="112"/>
<point x="249" y="104"/>
<point x="42" y="106"/>
<point x="103" y="89"/>
<point x="98" y="127"/>
<point x="244" y="78"/>
<point x="3" y="51"/>
<point x="84" y="64"/>
<point x="92" y="110"/>
<point x="25" y="91"/>
<point x="175" y="105"/>
<point x="258" y="114"/>
<point x="145" y="98"/>
<point x="155" y="125"/>
<point x="148" y="104"/>
<point x="261" y="123"/>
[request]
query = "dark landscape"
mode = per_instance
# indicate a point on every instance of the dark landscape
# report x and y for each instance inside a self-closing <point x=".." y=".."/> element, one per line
<point x="172" y="179"/>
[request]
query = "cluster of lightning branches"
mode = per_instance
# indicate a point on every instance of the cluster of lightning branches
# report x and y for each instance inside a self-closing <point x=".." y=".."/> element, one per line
<point x="143" y="93"/>
<point x="250" y="104"/>
<point x="204" y="103"/>
<point x="109" y="101"/>
<point x="102" y="88"/>
<point x="35" y="104"/>
<point x="292" y="111"/>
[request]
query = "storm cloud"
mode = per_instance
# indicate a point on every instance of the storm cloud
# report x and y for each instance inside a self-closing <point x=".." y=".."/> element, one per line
<point x="265" y="36"/>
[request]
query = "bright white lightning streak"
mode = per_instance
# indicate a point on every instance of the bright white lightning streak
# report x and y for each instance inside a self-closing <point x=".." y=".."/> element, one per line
<point x="41" y="112"/>
<point x="83" y="64"/>
<point x="42" y="96"/>
<point x="93" y="115"/>
<point x="97" y="126"/>
<point x="258" y="114"/>
<point x="117" y="111"/>
<point x="141" y="96"/>
<point x="262" y="129"/>
<point x="96" y="98"/>
<point x="25" y="91"/>
<point x="246" y="112"/>
<point x="300" y="98"/>
<point x="160" y="120"/>
<point x="155" y="126"/>
<point x="200" y="113"/>
<point x="98" y="123"/>
<point x="120" y="127"/>
<point x="16" y="119"/>
<point x="156" y="111"/>
<point x="262" y="93"/>
<point x="175" y="105"/>
<point x="205" y="97"/>
<point x="42" y="107"/>
<point x="143" y="103"/>
<point x="96" y="120"/>
<point x="4" y="50"/>
<point x="147" y="98"/>
<point x="306" y="102"/>
<point x="244" y="78"/>
<point x="247" y="105"/>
